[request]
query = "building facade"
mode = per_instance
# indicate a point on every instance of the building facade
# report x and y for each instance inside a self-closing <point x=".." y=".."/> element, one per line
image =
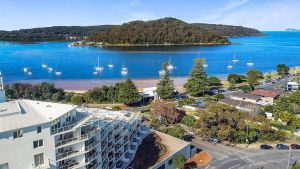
<point x="36" y="134"/>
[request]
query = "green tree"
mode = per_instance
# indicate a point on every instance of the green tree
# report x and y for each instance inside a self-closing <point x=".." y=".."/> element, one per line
<point x="197" y="82"/>
<point x="167" y="111"/>
<point x="155" y="123"/>
<point x="188" y="120"/>
<point x="282" y="69"/>
<point x="77" y="99"/>
<point x="253" y="77"/>
<point x="232" y="84"/>
<point x="179" y="161"/>
<point x="165" y="87"/>
<point x="128" y="93"/>
<point x="176" y="131"/>
<point x="214" y="82"/>
<point x="218" y="96"/>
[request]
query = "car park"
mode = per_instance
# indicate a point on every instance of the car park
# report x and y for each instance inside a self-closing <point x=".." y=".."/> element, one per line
<point x="265" y="147"/>
<point x="282" y="147"/>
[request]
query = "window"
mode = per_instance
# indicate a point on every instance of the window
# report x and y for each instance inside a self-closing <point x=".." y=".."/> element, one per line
<point x="39" y="129"/>
<point x="39" y="159"/>
<point x="170" y="162"/>
<point x="162" y="167"/>
<point x="38" y="143"/>
<point x="18" y="134"/>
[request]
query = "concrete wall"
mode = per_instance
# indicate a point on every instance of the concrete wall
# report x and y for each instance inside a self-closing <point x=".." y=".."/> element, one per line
<point x="19" y="153"/>
<point x="186" y="152"/>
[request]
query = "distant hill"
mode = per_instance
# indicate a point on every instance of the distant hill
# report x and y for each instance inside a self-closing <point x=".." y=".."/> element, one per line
<point x="171" y="30"/>
<point x="229" y="30"/>
<point x="55" y="33"/>
<point x="161" y="31"/>
<point x="292" y="30"/>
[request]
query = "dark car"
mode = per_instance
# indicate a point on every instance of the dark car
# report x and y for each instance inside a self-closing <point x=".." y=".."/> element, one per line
<point x="282" y="147"/>
<point x="295" y="146"/>
<point x="265" y="147"/>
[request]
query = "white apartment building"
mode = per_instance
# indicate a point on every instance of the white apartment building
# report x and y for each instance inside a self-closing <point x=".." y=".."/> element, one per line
<point x="38" y="135"/>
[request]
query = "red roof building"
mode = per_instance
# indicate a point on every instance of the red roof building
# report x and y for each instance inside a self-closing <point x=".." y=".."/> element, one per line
<point x="265" y="93"/>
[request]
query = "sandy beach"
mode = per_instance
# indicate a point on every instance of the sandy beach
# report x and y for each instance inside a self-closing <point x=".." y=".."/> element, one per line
<point x="83" y="85"/>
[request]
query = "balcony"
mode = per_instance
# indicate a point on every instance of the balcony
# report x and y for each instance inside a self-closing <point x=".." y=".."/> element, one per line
<point x="92" y="157"/>
<point x="65" y="141"/>
<point x="94" y="166"/>
<point x="91" y="145"/>
<point x="67" y="126"/>
<point x="70" y="164"/>
<point x="66" y="153"/>
<point x="90" y="134"/>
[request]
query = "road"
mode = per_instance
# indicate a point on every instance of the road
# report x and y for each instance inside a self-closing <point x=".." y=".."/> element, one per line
<point x="225" y="157"/>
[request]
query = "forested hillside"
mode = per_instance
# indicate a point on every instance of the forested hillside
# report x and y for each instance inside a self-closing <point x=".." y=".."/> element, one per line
<point x="161" y="31"/>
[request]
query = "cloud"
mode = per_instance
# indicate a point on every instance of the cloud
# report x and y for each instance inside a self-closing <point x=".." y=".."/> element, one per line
<point x="263" y="15"/>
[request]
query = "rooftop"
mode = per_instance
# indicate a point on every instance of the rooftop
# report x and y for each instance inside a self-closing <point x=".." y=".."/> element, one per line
<point x="241" y="105"/>
<point x="24" y="113"/>
<point x="265" y="93"/>
<point x="246" y="95"/>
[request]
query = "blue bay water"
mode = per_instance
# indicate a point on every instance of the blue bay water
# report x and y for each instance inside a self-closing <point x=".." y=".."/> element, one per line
<point x="145" y="62"/>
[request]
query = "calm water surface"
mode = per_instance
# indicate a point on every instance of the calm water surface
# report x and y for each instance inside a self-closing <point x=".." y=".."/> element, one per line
<point x="78" y="62"/>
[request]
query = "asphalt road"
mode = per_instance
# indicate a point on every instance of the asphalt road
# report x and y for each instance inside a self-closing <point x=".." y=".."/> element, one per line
<point x="225" y="157"/>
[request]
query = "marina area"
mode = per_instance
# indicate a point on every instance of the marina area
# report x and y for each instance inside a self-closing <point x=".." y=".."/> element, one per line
<point x="61" y="63"/>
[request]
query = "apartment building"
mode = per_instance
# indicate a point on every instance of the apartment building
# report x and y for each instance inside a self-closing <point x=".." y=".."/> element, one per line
<point x="38" y="135"/>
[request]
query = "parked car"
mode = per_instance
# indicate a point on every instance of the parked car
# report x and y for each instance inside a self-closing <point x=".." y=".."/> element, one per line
<point x="295" y="146"/>
<point x="282" y="147"/>
<point x="213" y="140"/>
<point x="265" y="147"/>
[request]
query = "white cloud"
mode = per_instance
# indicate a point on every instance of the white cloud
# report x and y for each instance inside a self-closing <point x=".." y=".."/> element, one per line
<point x="263" y="15"/>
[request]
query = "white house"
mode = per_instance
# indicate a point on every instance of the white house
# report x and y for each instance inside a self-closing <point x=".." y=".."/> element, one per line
<point x="292" y="86"/>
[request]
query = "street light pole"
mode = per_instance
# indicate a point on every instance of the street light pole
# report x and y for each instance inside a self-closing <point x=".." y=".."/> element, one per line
<point x="247" y="141"/>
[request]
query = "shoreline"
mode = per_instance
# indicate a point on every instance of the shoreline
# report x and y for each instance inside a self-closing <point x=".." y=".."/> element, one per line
<point x="86" y="84"/>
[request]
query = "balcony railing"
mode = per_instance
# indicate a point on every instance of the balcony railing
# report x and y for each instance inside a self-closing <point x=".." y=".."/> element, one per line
<point x="66" y="154"/>
<point x="92" y="157"/>
<point x="91" y="145"/>
<point x="95" y="165"/>
<point x="70" y="164"/>
<point x="90" y="134"/>
<point x="69" y="125"/>
<point x="65" y="141"/>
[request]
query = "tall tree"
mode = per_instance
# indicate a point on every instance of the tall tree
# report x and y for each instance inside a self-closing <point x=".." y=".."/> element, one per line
<point x="197" y="83"/>
<point x="128" y="93"/>
<point x="253" y="77"/>
<point x="165" y="87"/>
<point x="282" y="69"/>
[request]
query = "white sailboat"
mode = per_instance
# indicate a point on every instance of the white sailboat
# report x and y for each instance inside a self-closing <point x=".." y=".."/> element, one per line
<point x="229" y="66"/>
<point x="29" y="73"/>
<point x="44" y="65"/>
<point x="26" y="69"/>
<point x="110" y="65"/>
<point x="205" y="65"/>
<point x="249" y="63"/>
<point x="170" y="66"/>
<point x="57" y="73"/>
<point x="124" y="70"/>
<point x="234" y="60"/>
<point x="98" y="68"/>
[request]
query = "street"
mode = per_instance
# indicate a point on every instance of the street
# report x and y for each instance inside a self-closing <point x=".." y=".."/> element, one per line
<point x="226" y="157"/>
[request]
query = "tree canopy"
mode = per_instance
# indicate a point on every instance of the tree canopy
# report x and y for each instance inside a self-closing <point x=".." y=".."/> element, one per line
<point x="165" y="87"/>
<point x="128" y="93"/>
<point x="253" y="77"/>
<point x="282" y="69"/>
<point x="197" y="82"/>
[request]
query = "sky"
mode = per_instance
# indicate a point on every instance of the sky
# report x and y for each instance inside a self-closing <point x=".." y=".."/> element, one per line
<point x="260" y="14"/>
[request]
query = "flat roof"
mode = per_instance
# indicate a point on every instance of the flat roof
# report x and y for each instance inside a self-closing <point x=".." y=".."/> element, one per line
<point x="172" y="144"/>
<point x="265" y="93"/>
<point x="24" y="113"/>
<point x="246" y="95"/>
